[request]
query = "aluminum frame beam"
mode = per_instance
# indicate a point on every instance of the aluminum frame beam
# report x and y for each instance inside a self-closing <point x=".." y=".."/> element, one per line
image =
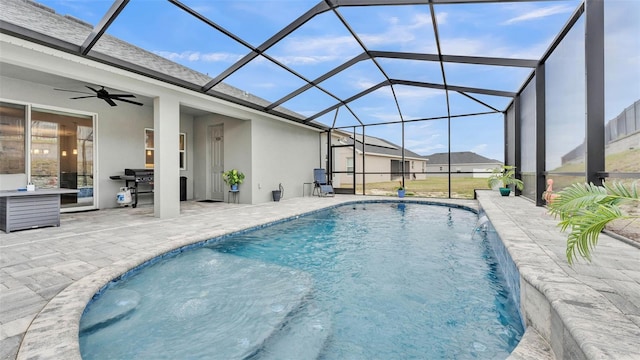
<point x="97" y="32"/>
<point x="594" y="74"/>
<point x="418" y="2"/>
<point x="461" y="59"/>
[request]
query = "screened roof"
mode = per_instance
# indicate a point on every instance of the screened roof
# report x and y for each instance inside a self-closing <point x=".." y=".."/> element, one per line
<point x="330" y="63"/>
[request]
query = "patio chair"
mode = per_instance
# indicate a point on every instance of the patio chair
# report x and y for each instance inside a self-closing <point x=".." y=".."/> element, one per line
<point x="320" y="185"/>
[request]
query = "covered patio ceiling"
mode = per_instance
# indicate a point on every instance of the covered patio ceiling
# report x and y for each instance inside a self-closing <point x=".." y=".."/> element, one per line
<point x="329" y="64"/>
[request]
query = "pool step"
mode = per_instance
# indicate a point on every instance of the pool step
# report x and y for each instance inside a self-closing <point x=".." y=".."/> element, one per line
<point x="255" y="299"/>
<point x="238" y="305"/>
<point x="116" y="304"/>
<point x="303" y="336"/>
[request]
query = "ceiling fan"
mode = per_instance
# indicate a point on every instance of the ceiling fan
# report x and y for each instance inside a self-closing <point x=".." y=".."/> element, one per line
<point x="104" y="95"/>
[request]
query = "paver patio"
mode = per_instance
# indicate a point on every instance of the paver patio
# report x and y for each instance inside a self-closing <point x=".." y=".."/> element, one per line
<point x="57" y="269"/>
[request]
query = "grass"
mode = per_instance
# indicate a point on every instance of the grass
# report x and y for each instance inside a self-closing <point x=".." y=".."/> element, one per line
<point x="461" y="187"/>
<point x="625" y="161"/>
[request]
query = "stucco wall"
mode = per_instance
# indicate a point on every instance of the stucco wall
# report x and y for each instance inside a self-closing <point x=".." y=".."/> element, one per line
<point x="119" y="141"/>
<point x="282" y="153"/>
<point x="237" y="153"/>
<point x="461" y="167"/>
<point x="120" y="131"/>
<point x="268" y="150"/>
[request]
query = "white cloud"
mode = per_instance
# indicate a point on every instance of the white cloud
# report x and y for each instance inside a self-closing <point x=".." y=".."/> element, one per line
<point x="411" y="93"/>
<point x="429" y="149"/>
<point x="398" y="33"/>
<point x="490" y="46"/>
<point x="427" y="146"/>
<point x="480" y="148"/>
<point x="316" y="50"/>
<point x="194" y="56"/>
<point x="442" y="18"/>
<point x="540" y="13"/>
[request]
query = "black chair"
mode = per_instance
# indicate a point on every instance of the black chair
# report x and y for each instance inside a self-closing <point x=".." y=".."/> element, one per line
<point x="320" y="185"/>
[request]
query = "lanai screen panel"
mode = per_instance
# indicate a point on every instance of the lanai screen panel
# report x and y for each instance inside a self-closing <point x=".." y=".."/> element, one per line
<point x="565" y="108"/>
<point x="528" y="145"/>
<point x="622" y="86"/>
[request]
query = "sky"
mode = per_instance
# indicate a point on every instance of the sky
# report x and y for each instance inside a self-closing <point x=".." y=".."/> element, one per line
<point x="506" y="29"/>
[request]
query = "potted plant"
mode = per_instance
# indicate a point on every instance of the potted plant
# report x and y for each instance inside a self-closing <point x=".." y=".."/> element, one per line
<point x="233" y="178"/>
<point x="401" y="190"/>
<point x="503" y="177"/>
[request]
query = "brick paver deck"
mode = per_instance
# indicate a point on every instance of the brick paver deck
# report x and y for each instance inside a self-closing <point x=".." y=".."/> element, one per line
<point x="48" y="275"/>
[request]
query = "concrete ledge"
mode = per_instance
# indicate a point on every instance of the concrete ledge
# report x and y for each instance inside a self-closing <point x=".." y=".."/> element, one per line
<point x="588" y="311"/>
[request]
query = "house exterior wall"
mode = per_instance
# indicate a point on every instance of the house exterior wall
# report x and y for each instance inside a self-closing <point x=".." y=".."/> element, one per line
<point x="120" y="133"/>
<point x="476" y="168"/>
<point x="237" y="153"/>
<point x="374" y="163"/>
<point x="120" y="129"/>
<point x="282" y="154"/>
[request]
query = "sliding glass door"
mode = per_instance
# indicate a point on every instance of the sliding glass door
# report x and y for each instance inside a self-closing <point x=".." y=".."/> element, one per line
<point x="62" y="154"/>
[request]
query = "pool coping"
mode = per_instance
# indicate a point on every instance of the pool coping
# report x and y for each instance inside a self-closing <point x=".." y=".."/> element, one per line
<point x="580" y="310"/>
<point x="54" y="331"/>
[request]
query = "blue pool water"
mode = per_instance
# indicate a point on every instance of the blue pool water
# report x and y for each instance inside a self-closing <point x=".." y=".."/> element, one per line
<point x="363" y="281"/>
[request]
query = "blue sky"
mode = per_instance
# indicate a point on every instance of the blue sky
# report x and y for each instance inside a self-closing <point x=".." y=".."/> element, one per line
<point x="514" y="30"/>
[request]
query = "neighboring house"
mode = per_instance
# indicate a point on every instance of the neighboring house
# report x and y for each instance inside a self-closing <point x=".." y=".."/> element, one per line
<point x="465" y="162"/>
<point x="55" y="141"/>
<point x="382" y="159"/>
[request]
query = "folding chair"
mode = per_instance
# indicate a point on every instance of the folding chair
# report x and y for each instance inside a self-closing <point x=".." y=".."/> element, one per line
<point x="320" y="185"/>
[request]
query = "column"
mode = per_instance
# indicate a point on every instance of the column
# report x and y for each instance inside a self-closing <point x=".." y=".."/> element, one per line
<point x="166" y="125"/>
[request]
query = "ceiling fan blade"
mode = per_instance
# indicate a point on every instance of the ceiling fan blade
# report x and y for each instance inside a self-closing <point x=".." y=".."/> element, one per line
<point x="79" y="92"/>
<point x="129" y="101"/>
<point x="89" y="87"/>
<point x="109" y="101"/>
<point x="82" y="97"/>
<point x="121" y="95"/>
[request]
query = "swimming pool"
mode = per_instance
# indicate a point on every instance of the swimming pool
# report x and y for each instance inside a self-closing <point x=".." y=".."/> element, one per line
<point x="383" y="280"/>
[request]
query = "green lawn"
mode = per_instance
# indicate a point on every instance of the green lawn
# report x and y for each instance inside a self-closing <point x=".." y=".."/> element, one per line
<point x="461" y="187"/>
<point x="625" y="161"/>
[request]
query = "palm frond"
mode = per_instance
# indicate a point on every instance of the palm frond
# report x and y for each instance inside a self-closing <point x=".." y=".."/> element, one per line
<point x="586" y="228"/>
<point x="576" y="198"/>
<point x="617" y="188"/>
<point x="585" y="210"/>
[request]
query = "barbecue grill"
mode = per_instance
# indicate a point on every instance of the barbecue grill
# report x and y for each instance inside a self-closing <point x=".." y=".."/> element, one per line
<point x="136" y="177"/>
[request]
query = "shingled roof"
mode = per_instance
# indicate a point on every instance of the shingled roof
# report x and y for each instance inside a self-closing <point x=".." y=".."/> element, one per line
<point x="68" y="32"/>
<point x="462" y="157"/>
<point x="376" y="145"/>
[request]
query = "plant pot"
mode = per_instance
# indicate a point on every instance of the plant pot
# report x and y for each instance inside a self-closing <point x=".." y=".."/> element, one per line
<point x="401" y="193"/>
<point x="234" y="187"/>
<point x="505" y="191"/>
<point x="276" y="195"/>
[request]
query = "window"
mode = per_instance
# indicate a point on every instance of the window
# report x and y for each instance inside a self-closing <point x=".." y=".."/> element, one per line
<point x="183" y="151"/>
<point x="12" y="138"/>
<point x="350" y="165"/>
<point x="149" y="150"/>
